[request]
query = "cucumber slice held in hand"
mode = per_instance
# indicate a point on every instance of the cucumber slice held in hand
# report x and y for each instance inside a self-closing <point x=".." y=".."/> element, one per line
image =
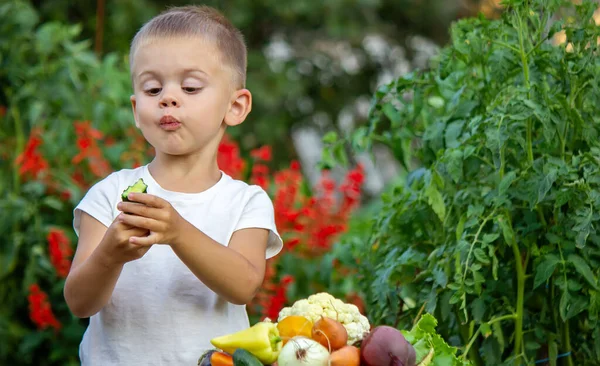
<point x="138" y="187"/>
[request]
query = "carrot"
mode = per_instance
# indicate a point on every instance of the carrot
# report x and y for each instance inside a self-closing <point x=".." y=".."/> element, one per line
<point x="221" y="359"/>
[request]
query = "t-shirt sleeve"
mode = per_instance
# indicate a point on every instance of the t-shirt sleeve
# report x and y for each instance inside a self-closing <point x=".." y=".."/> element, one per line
<point x="99" y="202"/>
<point x="259" y="213"/>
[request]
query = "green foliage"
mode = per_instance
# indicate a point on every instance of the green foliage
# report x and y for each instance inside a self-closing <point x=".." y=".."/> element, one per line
<point x="48" y="81"/>
<point x="494" y="229"/>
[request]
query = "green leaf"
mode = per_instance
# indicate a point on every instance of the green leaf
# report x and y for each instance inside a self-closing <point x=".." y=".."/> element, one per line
<point x="583" y="226"/>
<point x="460" y="227"/>
<point x="481" y="256"/>
<point x="53" y="202"/>
<point x="490" y="238"/>
<point x="583" y="269"/>
<point x="330" y="137"/>
<point x="392" y="113"/>
<point x="576" y="306"/>
<point x="340" y="154"/>
<point x="424" y="338"/>
<point x="546" y="185"/>
<point x="486" y="330"/>
<point x="453" y="132"/>
<point x="455" y="165"/>
<point x="479" y="307"/>
<point x="544" y="270"/>
<point x="506" y="181"/>
<point x="507" y="230"/>
<point x="495" y="268"/>
<point x="499" y="334"/>
<point x="436" y="201"/>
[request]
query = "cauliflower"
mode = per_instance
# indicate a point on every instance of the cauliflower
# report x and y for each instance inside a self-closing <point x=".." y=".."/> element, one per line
<point x="324" y="304"/>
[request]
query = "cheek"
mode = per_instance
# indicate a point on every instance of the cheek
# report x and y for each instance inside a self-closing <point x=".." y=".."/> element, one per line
<point x="143" y="107"/>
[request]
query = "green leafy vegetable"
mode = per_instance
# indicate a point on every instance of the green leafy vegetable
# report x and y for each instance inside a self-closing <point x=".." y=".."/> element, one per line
<point x="430" y="347"/>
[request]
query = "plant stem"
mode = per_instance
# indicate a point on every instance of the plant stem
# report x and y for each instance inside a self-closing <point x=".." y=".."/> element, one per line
<point x="565" y="328"/>
<point x="567" y="340"/>
<point x="520" y="300"/>
<point x="474" y="356"/>
<point x="529" y="141"/>
<point x="475" y="241"/>
<point x="490" y="322"/>
<point x="501" y="318"/>
<point x="525" y="62"/>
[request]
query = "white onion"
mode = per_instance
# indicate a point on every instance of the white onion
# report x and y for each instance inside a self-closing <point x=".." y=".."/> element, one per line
<point x="302" y="351"/>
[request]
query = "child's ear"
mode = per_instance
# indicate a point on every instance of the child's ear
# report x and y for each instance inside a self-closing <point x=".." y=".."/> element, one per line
<point x="133" y="107"/>
<point x="241" y="105"/>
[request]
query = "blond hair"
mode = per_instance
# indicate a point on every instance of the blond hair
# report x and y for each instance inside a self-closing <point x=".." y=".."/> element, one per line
<point x="198" y="21"/>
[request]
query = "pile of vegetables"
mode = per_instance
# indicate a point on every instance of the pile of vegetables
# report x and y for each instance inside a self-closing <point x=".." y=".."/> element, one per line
<point x="305" y="335"/>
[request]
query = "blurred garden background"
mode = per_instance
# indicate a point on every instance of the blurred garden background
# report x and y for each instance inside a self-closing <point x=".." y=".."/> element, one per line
<point x="437" y="156"/>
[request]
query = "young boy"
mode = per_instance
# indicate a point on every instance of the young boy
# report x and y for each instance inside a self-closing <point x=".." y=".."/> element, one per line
<point x="163" y="274"/>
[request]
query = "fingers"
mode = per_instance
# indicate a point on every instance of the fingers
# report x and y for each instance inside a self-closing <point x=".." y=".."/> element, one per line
<point x="139" y="209"/>
<point x="141" y="222"/>
<point x="145" y="240"/>
<point x="147" y="199"/>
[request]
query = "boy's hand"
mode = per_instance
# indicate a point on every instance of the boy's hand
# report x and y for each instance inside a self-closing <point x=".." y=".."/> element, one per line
<point x="116" y="247"/>
<point x="154" y="214"/>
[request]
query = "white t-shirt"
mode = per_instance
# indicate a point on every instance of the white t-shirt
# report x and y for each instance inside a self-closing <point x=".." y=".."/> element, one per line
<point x="159" y="312"/>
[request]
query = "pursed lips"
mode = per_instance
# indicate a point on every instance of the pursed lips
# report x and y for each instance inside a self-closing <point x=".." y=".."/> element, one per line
<point x="169" y="123"/>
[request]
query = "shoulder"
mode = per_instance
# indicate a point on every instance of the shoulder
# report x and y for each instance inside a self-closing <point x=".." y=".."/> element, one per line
<point x="240" y="190"/>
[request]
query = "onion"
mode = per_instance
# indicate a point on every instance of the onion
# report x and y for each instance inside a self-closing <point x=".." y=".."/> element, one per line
<point x="303" y="351"/>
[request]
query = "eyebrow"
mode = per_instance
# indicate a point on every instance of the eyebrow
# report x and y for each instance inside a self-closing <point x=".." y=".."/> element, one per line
<point x="185" y="71"/>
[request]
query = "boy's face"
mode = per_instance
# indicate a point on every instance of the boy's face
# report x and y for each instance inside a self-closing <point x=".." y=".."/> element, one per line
<point x="184" y="96"/>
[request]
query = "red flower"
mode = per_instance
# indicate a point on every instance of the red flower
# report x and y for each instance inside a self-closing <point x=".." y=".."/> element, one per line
<point x="87" y="138"/>
<point x="277" y="302"/>
<point x="228" y="158"/>
<point x="59" y="247"/>
<point x="262" y="153"/>
<point x="40" y="310"/>
<point x="260" y="175"/>
<point x="31" y="163"/>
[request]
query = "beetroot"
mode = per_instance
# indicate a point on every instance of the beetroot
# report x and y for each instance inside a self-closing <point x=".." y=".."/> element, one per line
<point x="386" y="346"/>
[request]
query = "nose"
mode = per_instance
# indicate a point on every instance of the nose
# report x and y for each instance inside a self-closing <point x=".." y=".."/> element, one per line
<point x="168" y="100"/>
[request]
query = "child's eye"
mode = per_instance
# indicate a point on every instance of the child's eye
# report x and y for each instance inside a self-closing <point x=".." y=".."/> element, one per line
<point x="189" y="89"/>
<point x="153" y="91"/>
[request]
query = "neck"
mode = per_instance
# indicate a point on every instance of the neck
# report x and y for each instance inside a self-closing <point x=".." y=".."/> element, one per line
<point x="186" y="174"/>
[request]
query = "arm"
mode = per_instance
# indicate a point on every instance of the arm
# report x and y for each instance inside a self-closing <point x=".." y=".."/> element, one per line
<point x="94" y="272"/>
<point x="235" y="272"/>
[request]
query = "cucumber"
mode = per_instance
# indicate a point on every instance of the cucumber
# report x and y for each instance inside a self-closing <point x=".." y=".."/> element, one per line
<point x="138" y="187"/>
<point x="241" y="357"/>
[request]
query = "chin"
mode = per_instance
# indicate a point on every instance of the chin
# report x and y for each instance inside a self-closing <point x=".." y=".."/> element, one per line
<point x="170" y="150"/>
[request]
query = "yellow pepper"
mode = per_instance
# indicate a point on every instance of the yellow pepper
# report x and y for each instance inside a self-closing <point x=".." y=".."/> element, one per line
<point x="262" y="340"/>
